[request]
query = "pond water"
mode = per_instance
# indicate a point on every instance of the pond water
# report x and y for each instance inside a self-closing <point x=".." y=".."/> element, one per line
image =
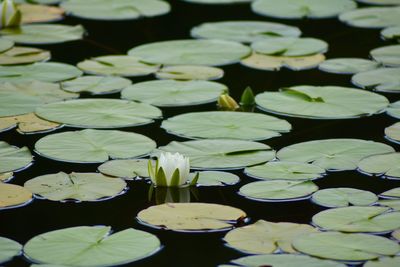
<point x="205" y="249"/>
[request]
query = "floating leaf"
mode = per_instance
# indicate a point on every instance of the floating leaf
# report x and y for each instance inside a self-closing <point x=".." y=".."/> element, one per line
<point x="342" y="197"/>
<point x="35" y="34"/>
<point x="221" y="154"/>
<point x="191" y="216"/>
<point x="115" y="9"/>
<point x="5" y="177"/>
<point x="265" y="237"/>
<point x="13" y="158"/>
<point x="387" y="165"/>
<point x="218" y="2"/>
<point x="347" y="65"/>
<point x="93" y="146"/>
<point x="43" y="2"/>
<point x="384" y="262"/>
<point x="396" y="234"/>
<point x="27" y="124"/>
<point x="125" y="168"/>
<point x="5" y="45"/>
<point x="117" y="65"/>
<point x="75" y="186"/>
<point x="380" y="2"/>
<point x="174" y="93"/>
<point x="226" y="125"/>
<point x="347" y="247"/>
<point x="216" y="178"/>
<point x="333" y="154"/>
<point x="191" y="52"/>
<point x="23" y="55"/>
<point x="381" y="80"/>
<point x="372" y="17"/>
<point x="12" y="196"/>
<point x="393" y="132"/>
<point x="394" y="110"/>
<point x="391" y="32"/>
<point x="91" y="246"/>
<point x="96" y="85"/>
<point x="275" y="63"/>
<point x="298" y="9"/>
<point x="279" y="170"/>
<point x="393" y="204"/>
<point x="392" y="193"/>
<point x="40" y="13"/>
<point x="243" y="31"/>
<point x="8" y="249"/>
<point x="387" y="55"/>
<point x="99" y="113"/>
<point x="185" y="72"/>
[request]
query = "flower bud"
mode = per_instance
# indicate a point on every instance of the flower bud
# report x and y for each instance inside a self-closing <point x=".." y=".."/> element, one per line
<point x="10" y="15"/>
<point x="226" y="102"/>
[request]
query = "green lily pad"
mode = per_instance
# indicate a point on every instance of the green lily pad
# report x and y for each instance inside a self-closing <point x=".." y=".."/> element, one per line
<point x="14" y="158"/>
<point x="13" y="196"/>
<point x="372" y="17"/>
<point x="185" y="72"/>
<point x="8" y="249"/>
<point x="381" y="80"/>
<point x="394" y="110"/>
<point x="115" y="9"/>
<point x="127" y="66"/>
<point x="6" y="177"/>
<point x="43" y="2"/>
<point x="348" y="65"/>
<point x="380" y="2"/>
<point x="34" y="13"/>
<point x="93" y="146"/>
<point x="333" y="154"/>
<point x="5" y="45"/>
<point x="45" y="72"/>
<point x="391" y="33"/>
<point x="23" y="55"/>
<point x="391" y="203"/>
<point x="218" y="2"/>
<point x="191" y="52"/>
<point x="221" y="154"/>
<point x="290" y="46"/>
<point x="342" y="197"/>
<point x="387" y="165"/>
<point x="396" y="235"/>
<point x="384" y="261"/>
<point x="91" y="246"/>
<point x="392" y="193"/>
<point x="346" y="247"/>
<point x="37" y="34"/>
<point x="191" y="216"/>
<point x="226" y="125"/>
<point x="265" y="237"/>
<point x="358" y="219"/>
<point x="393" y="132"/>
<point x="99" y="113"/>
<point x="174" y="93"/>
<point x="298" y="9"/>
<point x="127" y="169"/>
<point x="216" y="178"/>
<point x="23" y="98"/>
<point x="96" y="85"/>
<point x="278" y="190"/>
<point x="243" y="31"/>
<point x="75" y="186"/>
<point x="322" y="102"/>
<point x="280" y="170"/>
<point x="387" y="55"/>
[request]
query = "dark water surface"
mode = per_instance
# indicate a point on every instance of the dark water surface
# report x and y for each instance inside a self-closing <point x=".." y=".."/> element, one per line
<point x="182" y="249"/>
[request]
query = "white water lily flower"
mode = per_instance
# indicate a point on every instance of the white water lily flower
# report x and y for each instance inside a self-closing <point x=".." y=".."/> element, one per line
<point x="171" y="170"/>
<point x="10" y="15"/>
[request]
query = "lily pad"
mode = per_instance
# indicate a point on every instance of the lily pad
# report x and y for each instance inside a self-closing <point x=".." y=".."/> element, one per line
<point x="191" y="216"/>
<point x="393" y="204"/>
<point x="226" y="125"/>
<point x="265" y="237"/>
<point x="75" y="186"/>
<point x="126" y="66"/>
<point x="43" y="2"/>
<point x="218" y="2"/>
<point x="216" y="178"/>
<point x="6" y="177"/>
<point x="380" y="2"/>
<point x="394" y="110"/>
<point x="275" y="63"/>
<point x="13" y="196"/>
<point x="96" y="85"/>
<point x="185" y="72"/>
<point x="290" y="46"/>
<point x="387" y="165"/>
<point x="127" y="169"/>
<point x="299" y="9"/>
<point x="34" y="13"/>
<point x="115" y="9"/>
<point x="284" y="260"/>
<point x="93" y="146"/>
<point x="99" y="113"/>
<point x="342" y="197"/>
<point x="358" y="219"/>
<point x="372" y="17"/>
<point x="45" y="72"/>
<point x="37" y="34"/>
<point x="8" y="249"/>
<point x="396" y="234"/>
<point x="348" y="65"/>
<point x="91" y="246"/>
<point x="280" y="170"/>
<point x="393" y="132"/>
<point x="381" y="80"/>
<point x="322" y="102"/>
<point x="387" y="55"/>
<point x="221" y="154"/>
<point x="191" y="52"/>
<point x="5" y="45"/>
<point x="27" y="124"/>
<point x="14" y="158"/>
<point x="333" y="154"/>
<point x="392" y="193"/>
<point x="391" y="33"/>
<point x="346" y="247"/>
<point x="384" y="261"/>
<point x="23" y="55"/>
<point x="243" y="31"/>
<point x="174" y="93"/>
